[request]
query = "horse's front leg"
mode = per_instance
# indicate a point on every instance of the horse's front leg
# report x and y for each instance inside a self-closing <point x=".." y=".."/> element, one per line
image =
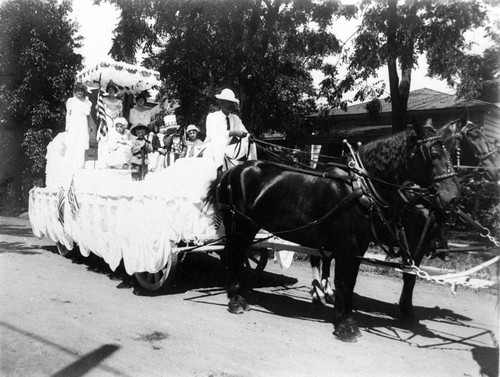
<point x="346" y="271"/>
<point x="406" y="308"/>
<point x="235" y="253"/>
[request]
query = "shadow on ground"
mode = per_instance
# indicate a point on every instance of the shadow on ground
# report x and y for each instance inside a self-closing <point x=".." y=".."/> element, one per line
<point x="15" y="231"/>
<point x="195" y="271"/>
<point x="18" y="248"/>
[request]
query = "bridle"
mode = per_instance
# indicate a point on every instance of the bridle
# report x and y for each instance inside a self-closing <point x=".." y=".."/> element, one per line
<point x="424" y="146"/>
<point x="470" y="126"/>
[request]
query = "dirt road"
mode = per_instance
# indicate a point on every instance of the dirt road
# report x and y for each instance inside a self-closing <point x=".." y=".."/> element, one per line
<point x="66" y="317"/>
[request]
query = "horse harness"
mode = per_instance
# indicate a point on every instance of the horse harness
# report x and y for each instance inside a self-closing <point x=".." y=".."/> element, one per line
<point x="363" y="193"/>
<point x="470" y="126"/>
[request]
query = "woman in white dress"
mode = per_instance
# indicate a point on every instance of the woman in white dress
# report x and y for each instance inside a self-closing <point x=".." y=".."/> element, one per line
<point x="113" y="108"/>
<point x="112" y="105"/>
<point x="77" y="127"/>
<point x="140" y="114"/>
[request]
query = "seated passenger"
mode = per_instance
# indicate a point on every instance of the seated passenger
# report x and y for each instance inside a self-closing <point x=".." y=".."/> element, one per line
<point x="160" y="149"/>
<point x="194" y="146"/>
<point x="140" y="113"/>
<point x="119" y="145"/>
<point x="140" y="147"/>
<point x="174" y="144"/>
<point x="153" y="139"/>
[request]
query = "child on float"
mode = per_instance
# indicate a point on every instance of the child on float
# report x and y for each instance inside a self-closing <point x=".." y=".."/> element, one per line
<point x="119" y="145"/>
<point x="160" y="149"/>
<point x="140" y="147"/>
<point x="174" y="144"/>
<point x="194" y="145"/>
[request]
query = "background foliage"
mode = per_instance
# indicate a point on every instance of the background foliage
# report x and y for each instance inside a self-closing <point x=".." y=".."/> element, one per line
<point x="37" y="67"/>
<point x="263" y="50"/>
<point x="395" y="34"/>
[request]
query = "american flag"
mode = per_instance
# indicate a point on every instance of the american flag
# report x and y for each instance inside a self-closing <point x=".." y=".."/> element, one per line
<point x="101" y="115"/>
<point x="60" y="205"/>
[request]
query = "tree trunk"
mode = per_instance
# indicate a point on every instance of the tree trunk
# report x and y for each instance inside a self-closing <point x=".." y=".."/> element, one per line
<point x="400" y="90"/>
<point x="392" y="24"/>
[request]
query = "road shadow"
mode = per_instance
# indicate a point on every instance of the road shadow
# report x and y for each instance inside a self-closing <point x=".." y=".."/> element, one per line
<point x="200" y="271"/>
<point x="195" y="271"/>
<point x="95" y="264"/>
<point x="15" y="231"/>
<point x="287" y="303"/>
<point x="460" y="333"/>
<point x="80" y="367"/>
<point x="487" y="359"/>
<point x="88" y="362"/>
<point x="18" y="248"/>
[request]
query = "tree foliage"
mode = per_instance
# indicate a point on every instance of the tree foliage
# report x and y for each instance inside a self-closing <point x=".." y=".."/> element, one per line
<point x="395" y="34"/>
<point x="37" y="62"/>
<point x="262" y="49"/>
<point x="37" y="67"/>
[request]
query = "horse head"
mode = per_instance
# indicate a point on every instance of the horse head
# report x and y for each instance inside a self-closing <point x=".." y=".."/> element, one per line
<point x="430" y="166"/>
<point x="472" y="148"/>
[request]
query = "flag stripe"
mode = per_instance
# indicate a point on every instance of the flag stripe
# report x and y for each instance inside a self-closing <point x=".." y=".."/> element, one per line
<point x="101" y="114"/>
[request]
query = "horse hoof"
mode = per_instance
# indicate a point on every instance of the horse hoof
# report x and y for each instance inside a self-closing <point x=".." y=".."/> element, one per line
<point x="238" y="305"/>
<point x="347" y="331"/>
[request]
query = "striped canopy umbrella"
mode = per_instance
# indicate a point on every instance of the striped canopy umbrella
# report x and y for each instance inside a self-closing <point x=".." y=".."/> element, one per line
<point x="128" y="78"/>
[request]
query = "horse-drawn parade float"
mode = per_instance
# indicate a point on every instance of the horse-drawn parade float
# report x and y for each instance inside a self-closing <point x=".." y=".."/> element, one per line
<point x="393" y="191"/>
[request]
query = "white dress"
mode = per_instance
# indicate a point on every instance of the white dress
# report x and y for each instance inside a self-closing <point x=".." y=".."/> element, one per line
<point x="77" y="128"/>
<point x="119" y="146"/>
<point x="113" y="110"/>
<point x="139" y="117"/>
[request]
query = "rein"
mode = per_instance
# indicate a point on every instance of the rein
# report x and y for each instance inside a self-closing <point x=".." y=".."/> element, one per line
<point x="348" y="167"/>
<point x="376" y="204"/>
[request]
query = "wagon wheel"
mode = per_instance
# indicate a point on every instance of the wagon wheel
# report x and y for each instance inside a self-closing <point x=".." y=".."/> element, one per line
<point x="154" y="281"/>
<point x="63" y="250"/>
<point x="257" y="259"/>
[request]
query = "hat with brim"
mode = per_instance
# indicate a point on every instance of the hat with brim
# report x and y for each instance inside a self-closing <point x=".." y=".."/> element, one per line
<point x="227" y="95"/>
<point x="170" y="120"/>
<point x="121" y="121"/>
<point x="111" y="84"/>
<point x="138" y="127"/>
<point x="171" y="129"/>
<point x="192" y="127"/>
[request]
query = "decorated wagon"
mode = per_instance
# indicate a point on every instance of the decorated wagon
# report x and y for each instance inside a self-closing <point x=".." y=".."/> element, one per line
<point x="145" y="225"/>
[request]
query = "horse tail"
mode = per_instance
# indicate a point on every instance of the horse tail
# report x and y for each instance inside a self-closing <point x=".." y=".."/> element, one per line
<point x="211" y="197"/>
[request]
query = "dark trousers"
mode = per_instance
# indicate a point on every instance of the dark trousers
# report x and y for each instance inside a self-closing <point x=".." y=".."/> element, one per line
<point x="139" y="171"/>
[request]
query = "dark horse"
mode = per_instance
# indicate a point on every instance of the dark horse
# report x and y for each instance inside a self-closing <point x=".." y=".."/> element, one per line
<point x="424" y="227"/>
<point x="470" y="150"/>
<point x="329" y="211"/>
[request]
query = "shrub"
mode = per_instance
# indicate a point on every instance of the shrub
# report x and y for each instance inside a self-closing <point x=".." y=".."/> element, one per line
<point x="481" y="200"/>
<point x="35" y="149"/>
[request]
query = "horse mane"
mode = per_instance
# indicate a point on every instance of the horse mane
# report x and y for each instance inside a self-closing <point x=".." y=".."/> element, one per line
<point x="387" y="157"/>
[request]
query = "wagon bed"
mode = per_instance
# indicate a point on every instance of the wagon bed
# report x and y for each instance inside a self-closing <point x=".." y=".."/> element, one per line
<point x="146" y="225"/>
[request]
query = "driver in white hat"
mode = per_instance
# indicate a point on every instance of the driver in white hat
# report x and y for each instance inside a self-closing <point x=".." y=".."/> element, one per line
<point x="224" y="124"/>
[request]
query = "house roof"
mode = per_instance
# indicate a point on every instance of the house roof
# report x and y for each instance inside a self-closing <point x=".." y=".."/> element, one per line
<point x="420" y="99"/>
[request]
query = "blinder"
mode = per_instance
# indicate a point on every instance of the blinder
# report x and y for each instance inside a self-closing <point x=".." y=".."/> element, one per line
<point x="470" y="126"/>
<point x="424" y="147"/>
